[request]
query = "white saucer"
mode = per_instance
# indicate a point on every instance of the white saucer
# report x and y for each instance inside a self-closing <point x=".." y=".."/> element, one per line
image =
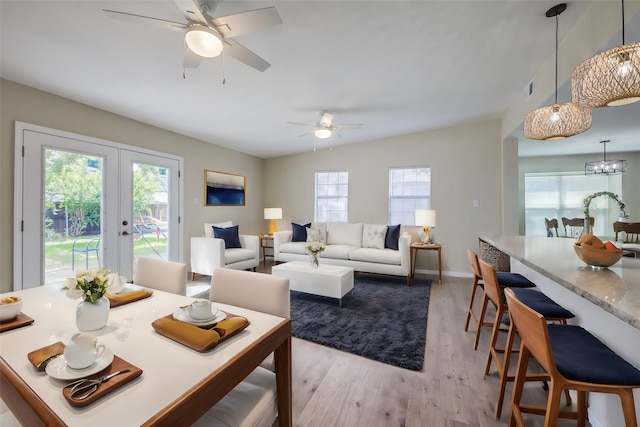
<point x="59" y="370"/>
<point x="182" y="315"/>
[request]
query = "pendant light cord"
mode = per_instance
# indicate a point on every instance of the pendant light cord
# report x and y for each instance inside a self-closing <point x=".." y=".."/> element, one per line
<point x="623" y="22"/>
<point x="556" y="101"/>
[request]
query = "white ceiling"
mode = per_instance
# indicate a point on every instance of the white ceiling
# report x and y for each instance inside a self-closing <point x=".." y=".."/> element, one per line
<point x="397" y="67"/>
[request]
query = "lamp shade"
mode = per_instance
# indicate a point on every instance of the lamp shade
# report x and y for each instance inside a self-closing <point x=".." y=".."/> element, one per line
<point x="272" y="213"/>
<point x="322" y="133"/>
<point x="203" y="41"/>
<point x="426" y="218"/>
<point x="557" y="121"/>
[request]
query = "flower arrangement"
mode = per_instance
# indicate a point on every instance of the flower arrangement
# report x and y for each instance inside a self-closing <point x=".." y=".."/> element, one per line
<point x="91" y="285"/>
<point x="314" y="248"/>
<point x="588" y="199"/>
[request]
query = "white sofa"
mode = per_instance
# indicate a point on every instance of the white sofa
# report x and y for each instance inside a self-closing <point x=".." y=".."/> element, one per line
<point x="209" y="253"/>
<point x="346" y="246"/>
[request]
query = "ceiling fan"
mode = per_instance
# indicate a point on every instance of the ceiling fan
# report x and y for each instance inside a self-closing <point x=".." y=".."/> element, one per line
<point x="325" y="128"/>
<point x="207" y="37"/>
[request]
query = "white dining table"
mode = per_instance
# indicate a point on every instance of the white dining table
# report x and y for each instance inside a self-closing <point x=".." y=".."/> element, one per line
<point x="177" y="385"/>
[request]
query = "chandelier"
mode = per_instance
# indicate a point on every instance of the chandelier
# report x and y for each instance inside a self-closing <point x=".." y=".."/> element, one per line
<point x="605" y="166"/>
<point x="610" y="78"/>
<point x="557" y="121"/>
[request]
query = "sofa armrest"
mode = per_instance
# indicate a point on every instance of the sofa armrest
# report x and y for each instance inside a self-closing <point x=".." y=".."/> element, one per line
<point x="280" y="237"/>
<point x="207" y="254"/>
<point x="248" y="241"/>
<point x="404" y="243"/>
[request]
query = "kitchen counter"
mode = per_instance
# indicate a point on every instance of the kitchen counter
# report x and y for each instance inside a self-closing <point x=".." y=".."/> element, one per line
<point x="615" y="289"/>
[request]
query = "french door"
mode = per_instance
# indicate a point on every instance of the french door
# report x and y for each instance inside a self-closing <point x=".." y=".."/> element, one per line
<point x="83" y="203"/>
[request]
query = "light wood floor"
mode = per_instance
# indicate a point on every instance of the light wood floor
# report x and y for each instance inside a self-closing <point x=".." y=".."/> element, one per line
<point x="334" y="388"/>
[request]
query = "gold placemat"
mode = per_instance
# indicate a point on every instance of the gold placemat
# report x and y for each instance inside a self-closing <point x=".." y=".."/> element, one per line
<point x="116" y="300"/>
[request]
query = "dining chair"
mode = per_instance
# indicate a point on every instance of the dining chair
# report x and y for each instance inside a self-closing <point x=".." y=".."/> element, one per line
<point x="575" y="225"/>
<point x="631" y="231"/>
<point x="162" y="275"/>
<point x="574" y="359"/>
<point x="551" y="225"/>
<point x="504" y="278"/>
<point x="253" y="402"/>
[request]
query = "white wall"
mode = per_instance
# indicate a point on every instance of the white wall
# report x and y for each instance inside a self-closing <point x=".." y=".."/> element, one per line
<point x="466" y="164"/>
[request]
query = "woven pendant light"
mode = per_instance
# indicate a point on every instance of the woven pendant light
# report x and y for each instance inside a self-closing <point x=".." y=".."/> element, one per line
<point x="608" y="79"/>
<point x="557" y="121"/>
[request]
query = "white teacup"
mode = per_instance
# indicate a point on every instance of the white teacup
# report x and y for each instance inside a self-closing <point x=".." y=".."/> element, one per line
<point x="82" y="350"/>
<point x="201" y="309"/>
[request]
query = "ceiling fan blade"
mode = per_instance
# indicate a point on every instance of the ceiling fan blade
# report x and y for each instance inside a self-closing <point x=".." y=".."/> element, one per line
<point x="301" y="124"/>
<point x="348" y="126"/>
<point x="190" y="59"/>
<point x="247" y="22"/>
<point x="242" y="54"/>
<point x="138" y="19"/>
<point x="326" y="119"/>
<point x="191" y="11"/>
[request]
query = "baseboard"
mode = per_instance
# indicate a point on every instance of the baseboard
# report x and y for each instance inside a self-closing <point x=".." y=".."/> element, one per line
<point x="446" y="273"/>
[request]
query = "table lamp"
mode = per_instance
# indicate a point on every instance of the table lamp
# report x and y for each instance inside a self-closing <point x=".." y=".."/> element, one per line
<point x="427" y="219"/>
<point x="272" y="214"/>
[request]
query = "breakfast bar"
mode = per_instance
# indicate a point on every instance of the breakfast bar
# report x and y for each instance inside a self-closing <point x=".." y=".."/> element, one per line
<point x="605" y="301"/>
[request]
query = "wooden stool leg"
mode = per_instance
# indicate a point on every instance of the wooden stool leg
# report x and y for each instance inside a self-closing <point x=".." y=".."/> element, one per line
<point x="473" y="295"/>
<point x="628" y="408"/>
<point x="553" y="405"/>
<point x="515" y="418"/>
<point x="494" y="338"/>
<point x="504" y="373"/>
<point x="582" y="408"/>
<point x="483" y="312"/>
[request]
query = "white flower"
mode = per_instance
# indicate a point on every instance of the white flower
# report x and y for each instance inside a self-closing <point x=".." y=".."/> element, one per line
<point x="315" y="247"/>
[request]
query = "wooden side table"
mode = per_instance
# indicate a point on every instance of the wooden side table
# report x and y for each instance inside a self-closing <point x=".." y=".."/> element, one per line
<point x="265" y="239"/>
<point x="416" y="246"/>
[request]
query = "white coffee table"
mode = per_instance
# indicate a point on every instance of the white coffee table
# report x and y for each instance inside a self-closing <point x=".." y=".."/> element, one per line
<point x="331" y="281"/>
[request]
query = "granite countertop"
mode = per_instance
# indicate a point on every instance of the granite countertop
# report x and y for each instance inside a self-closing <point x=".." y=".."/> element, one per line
<point x="616" y="289"/>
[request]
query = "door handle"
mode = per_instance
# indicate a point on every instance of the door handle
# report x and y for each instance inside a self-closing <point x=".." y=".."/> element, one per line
<point x="125" y="233"/>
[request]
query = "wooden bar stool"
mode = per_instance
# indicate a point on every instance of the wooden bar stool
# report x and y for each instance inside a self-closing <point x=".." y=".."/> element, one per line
<point x="538" y="301"/>
<point x="574" y="359"/>
<point x="505" y="279"/>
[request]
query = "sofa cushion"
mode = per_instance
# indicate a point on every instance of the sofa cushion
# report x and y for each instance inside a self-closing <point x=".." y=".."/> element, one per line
<point x="373" y="236"/>
<point x="313" y="235"/>
<point x="208" y="227"/>
<point x="378" y="256"/>
<point x="338" y="251"/>
<point x="234" y="255"/>
<point x="293" y="247"/>
<point x="344" y="234"/>
<point x="391" y="239"/>
<point x="322" y="227"/>
<point x="299" y="232"/>
<point x="229" y="235"/>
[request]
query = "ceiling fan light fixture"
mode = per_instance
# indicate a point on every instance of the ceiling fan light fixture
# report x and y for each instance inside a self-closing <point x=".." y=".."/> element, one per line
<point x="203" y="41"/>
<point x="322" y="133"/>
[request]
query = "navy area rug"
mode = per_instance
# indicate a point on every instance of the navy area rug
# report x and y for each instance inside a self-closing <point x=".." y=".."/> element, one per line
<point x="383" y="319"/>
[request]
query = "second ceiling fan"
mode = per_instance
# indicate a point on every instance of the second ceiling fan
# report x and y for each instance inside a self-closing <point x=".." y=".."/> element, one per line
<point x="207" y="37"/>
<point x="325" y="128"/>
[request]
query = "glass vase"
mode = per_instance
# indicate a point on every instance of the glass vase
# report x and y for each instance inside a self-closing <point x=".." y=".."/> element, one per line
<point x="315" y="261"/>
<point x="587" y="227"/>
<point x="91" y="317"/>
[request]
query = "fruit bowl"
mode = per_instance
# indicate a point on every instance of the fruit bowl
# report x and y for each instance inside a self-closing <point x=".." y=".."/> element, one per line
<point x="597" y="257"/>
<point x="9" y="308"/>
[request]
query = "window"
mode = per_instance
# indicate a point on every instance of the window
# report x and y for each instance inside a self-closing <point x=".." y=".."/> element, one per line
<point x="332" y="196"/>
<point x="557" y="195"/>
<point x="409" y="189"/>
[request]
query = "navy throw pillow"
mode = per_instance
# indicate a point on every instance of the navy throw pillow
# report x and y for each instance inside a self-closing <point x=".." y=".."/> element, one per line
<point x="391" y="239"/>
<point x="229" y="235"/>
<point x="299" y="232"/>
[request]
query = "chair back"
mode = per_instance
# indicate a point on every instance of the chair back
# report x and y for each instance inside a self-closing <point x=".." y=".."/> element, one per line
<point x="631" y="230"/>
<point x="549" y="225"/>
<point x="473" y="261"/>
<point x="491" y="286"/>
<point x="532" y="330"/>
<point x="162" y="275"/>
<point x="575" y="225"/>
<point x="255" y="291"/>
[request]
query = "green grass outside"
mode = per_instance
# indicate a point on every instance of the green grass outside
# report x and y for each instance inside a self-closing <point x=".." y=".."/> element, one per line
<point x="58" y="253"/>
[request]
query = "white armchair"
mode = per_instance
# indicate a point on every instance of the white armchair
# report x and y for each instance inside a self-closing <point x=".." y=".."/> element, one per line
<point x="209" y="253"/>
